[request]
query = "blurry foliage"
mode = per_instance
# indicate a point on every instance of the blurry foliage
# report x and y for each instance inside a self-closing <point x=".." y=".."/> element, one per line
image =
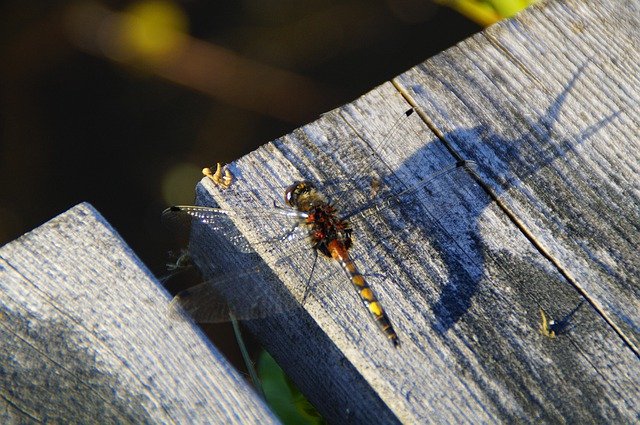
<point x="286" y="401"/>
<point x="153" y="28"/>
<point x="486" y="12"/>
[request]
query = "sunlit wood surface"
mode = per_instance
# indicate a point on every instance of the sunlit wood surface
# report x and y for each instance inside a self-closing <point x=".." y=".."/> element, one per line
<point x="86" y="338"/>
<point x="546" y="104"/>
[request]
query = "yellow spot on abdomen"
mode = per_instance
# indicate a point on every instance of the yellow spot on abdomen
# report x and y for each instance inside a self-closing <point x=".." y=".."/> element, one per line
<point x="358" y="280"/>
<point x="351" y="268"/>
<point x="367" y="294"/>
<point x="375" y="308"/>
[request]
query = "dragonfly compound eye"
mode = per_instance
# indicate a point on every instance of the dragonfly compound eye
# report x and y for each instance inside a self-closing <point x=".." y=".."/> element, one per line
<point x="295" y="191"/>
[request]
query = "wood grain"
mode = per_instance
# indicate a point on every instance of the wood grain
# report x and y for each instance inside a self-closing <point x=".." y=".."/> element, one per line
<point x="85" y="337"/>
<point x="554" y="130"/>
<point x="545" y="104"/>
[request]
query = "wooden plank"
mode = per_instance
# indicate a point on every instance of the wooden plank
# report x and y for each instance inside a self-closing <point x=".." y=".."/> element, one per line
<point x="547" y="106"/>
<point x="461" y="282"/>
<point x="85" y="337"/>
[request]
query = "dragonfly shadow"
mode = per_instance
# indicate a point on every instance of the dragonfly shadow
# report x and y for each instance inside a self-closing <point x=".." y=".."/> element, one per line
<point x="456" y="257"/>
<point x="508" y="163"/>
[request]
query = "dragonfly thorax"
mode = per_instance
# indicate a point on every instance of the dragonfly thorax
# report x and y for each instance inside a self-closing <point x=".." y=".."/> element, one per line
<point x="303" y="196"/>
<point x="326" y="228"/>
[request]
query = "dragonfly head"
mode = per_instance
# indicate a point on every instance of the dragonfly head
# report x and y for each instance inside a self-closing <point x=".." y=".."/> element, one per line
<point x="299" y="194"/>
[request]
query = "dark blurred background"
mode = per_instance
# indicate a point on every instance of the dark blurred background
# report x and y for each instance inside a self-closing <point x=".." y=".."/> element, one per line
<point x="122" y="103"/>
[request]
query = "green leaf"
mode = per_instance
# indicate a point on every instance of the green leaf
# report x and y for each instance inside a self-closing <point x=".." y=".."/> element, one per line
<point x="286" y="401"/>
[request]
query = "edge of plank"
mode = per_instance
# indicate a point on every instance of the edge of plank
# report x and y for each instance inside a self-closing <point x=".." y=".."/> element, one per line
<point x="86" y="335"/>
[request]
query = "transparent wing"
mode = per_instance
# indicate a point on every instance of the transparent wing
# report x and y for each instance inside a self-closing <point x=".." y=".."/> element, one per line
<point x="363" y="194"/>
<point x="211" y="215"/>
<point x="218" y="220"/>
<point x="418" y="191"/>
<point x="249" y="294"/>
<point x="246" y="295"/>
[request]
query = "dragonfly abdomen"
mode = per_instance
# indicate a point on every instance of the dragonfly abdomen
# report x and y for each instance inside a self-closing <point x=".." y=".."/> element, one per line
<point x="368" y="297"/>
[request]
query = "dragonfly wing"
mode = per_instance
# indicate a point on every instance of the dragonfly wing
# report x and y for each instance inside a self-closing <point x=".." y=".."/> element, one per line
<point x="417" y="191"/>
<point x="200" y="304"/>
<point x="246" y="295"/>
<point x="220" y="220"/>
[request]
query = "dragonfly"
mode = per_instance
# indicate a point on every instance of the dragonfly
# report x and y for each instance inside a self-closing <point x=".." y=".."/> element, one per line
<point x="326" y="230"/>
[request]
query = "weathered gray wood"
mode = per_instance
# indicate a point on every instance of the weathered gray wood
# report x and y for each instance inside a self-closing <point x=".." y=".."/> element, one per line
<point x="543" y="105"/>
<point x="85" y="337"/>
<point x="548" y="107"/>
